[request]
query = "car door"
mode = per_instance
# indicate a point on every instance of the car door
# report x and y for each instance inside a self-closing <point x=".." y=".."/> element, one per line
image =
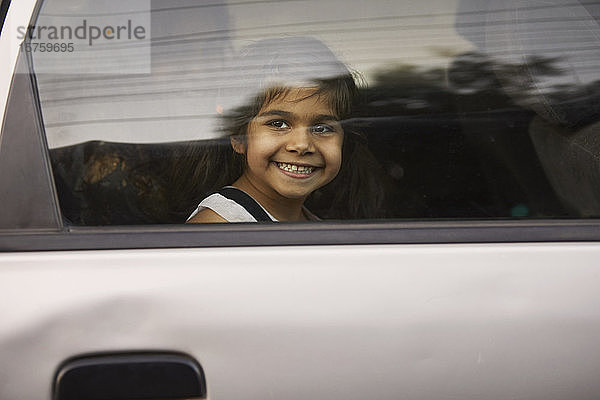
<point x="480" y="280"/>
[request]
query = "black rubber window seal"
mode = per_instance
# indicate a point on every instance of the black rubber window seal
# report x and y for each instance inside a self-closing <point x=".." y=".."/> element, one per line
<point x="4" y="5"/>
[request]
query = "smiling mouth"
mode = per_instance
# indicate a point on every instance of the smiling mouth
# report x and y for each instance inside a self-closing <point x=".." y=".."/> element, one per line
<point x="295" y="169"/>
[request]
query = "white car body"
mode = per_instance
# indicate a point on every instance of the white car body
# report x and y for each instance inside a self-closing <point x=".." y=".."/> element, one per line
<point x="487" y="321"/>
<point x="395" y="318"/>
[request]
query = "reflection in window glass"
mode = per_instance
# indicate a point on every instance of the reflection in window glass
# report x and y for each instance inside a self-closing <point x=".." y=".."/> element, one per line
<point x="466" y="109"/>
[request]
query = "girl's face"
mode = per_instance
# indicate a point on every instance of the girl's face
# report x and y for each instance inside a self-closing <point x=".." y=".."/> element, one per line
<point x="293" y="146"/>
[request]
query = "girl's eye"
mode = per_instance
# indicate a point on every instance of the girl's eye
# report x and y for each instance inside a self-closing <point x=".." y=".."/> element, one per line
<point x="278" y="123"/>
<point x="322" y="128"/>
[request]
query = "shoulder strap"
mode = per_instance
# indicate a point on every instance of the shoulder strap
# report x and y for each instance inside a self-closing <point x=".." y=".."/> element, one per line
<point x="244" y="200"/>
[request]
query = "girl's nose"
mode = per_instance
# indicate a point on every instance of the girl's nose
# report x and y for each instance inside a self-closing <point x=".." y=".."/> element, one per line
<point x="300" y="141"/>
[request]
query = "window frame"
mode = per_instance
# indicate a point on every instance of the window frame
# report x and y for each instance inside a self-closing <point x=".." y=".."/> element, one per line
<point x="302" y="234"/>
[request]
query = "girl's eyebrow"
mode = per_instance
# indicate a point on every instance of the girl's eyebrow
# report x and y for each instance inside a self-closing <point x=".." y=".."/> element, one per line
<point x="287" y="114"/>
<point x="326" y="117"/>
<point x="280" y="113"/>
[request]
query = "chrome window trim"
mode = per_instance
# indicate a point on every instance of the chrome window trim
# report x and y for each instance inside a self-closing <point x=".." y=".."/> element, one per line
<point x="302" y="234"/>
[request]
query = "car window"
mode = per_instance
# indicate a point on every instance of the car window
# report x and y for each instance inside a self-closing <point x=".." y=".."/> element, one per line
<point x="464" y="110"/>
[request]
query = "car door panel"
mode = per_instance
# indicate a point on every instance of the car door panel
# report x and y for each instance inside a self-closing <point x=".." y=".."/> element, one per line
<point x="331" y="321"/>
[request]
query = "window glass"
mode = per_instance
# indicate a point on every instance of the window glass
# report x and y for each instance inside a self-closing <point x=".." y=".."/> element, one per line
<point x="464" y="108"/>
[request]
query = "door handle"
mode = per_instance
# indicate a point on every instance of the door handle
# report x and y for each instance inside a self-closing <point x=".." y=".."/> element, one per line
<point x="130" y="376"/>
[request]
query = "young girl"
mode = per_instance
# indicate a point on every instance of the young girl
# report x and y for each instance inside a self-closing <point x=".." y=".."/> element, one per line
<point x="287" y="139"/>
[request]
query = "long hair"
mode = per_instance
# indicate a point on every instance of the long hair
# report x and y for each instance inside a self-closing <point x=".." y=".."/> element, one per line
<point x="266" y="71"/>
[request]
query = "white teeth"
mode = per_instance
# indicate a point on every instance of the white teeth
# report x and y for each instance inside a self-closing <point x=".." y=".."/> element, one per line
<point x="299" y="169"/>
